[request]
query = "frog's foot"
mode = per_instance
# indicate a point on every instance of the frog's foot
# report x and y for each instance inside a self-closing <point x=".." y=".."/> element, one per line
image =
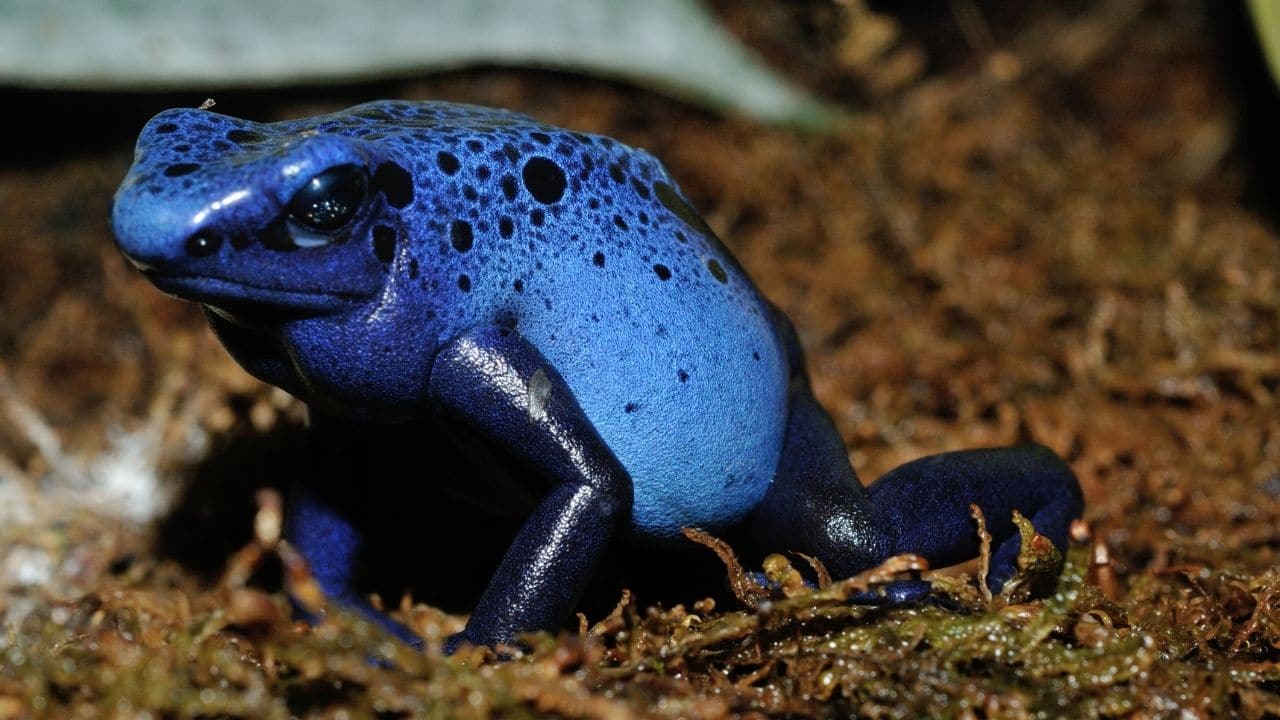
<point x="362" y="606"/>
<point x="894" y="594"/>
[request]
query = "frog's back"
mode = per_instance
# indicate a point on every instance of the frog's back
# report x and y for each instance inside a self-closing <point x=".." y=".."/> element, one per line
<point x="588" y="249"/>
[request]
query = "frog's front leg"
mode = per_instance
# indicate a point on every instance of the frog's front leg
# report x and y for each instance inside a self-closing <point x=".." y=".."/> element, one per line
<point x="329" y="516"/>
<point x="328" y="513"/>
<point x="498" y="384"/>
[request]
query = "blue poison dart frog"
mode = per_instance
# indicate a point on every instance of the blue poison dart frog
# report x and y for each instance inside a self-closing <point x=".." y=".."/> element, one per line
<point x="547" y="305"/>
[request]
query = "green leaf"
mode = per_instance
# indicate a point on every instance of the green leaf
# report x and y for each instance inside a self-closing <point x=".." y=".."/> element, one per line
<point x="675" y="46"/>
<point x="1266" y="22"/>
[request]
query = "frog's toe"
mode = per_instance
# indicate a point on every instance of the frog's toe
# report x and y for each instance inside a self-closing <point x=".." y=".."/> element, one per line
<point x="894" y="594"/>
<point x="453" y="642"/>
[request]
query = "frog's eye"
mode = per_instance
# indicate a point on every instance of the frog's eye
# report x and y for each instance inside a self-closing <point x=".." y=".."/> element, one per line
<point x="329" y="200"/>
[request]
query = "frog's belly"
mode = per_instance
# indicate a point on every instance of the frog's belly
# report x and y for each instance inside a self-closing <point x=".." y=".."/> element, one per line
<point x="690" y="396"/>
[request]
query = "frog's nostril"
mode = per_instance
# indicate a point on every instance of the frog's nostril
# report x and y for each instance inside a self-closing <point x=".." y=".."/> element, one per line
<point x="203" y="244"/>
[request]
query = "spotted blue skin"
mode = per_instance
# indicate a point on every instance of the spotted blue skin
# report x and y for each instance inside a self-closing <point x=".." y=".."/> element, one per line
<point x="549" y="295"/>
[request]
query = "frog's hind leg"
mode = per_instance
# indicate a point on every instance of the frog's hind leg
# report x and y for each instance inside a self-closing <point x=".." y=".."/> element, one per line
<point x="816" y="505"/>
<point x="927" y="503"/>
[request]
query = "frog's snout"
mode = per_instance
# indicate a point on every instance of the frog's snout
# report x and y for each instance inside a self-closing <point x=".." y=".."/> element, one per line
<point x="147" y="232"/>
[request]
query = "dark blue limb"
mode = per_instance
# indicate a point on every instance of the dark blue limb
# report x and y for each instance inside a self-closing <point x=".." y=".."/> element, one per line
<point x="815" y="504"/>
<point x="499" y="385"/>
<point x="927" y="501"/>
<point x="322" y="522"/>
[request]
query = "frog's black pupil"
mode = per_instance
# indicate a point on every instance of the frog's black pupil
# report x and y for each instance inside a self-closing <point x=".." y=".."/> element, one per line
<point x="329" y="200"/>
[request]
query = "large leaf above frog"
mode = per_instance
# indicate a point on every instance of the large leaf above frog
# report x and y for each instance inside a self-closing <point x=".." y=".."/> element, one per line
<point x="672" y="45"/>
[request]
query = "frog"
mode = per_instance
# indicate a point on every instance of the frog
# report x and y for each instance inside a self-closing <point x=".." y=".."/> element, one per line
<point x="546" y="308"/>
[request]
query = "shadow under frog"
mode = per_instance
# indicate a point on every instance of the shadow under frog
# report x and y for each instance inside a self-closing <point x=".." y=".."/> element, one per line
<point x="423" y="540"/>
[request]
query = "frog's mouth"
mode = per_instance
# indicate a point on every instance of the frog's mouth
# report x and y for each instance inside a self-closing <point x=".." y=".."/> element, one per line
<point x="234" y="294"/>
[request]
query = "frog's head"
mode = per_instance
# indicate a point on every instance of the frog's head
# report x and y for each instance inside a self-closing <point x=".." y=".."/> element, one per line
<point x="250" y="218"/>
